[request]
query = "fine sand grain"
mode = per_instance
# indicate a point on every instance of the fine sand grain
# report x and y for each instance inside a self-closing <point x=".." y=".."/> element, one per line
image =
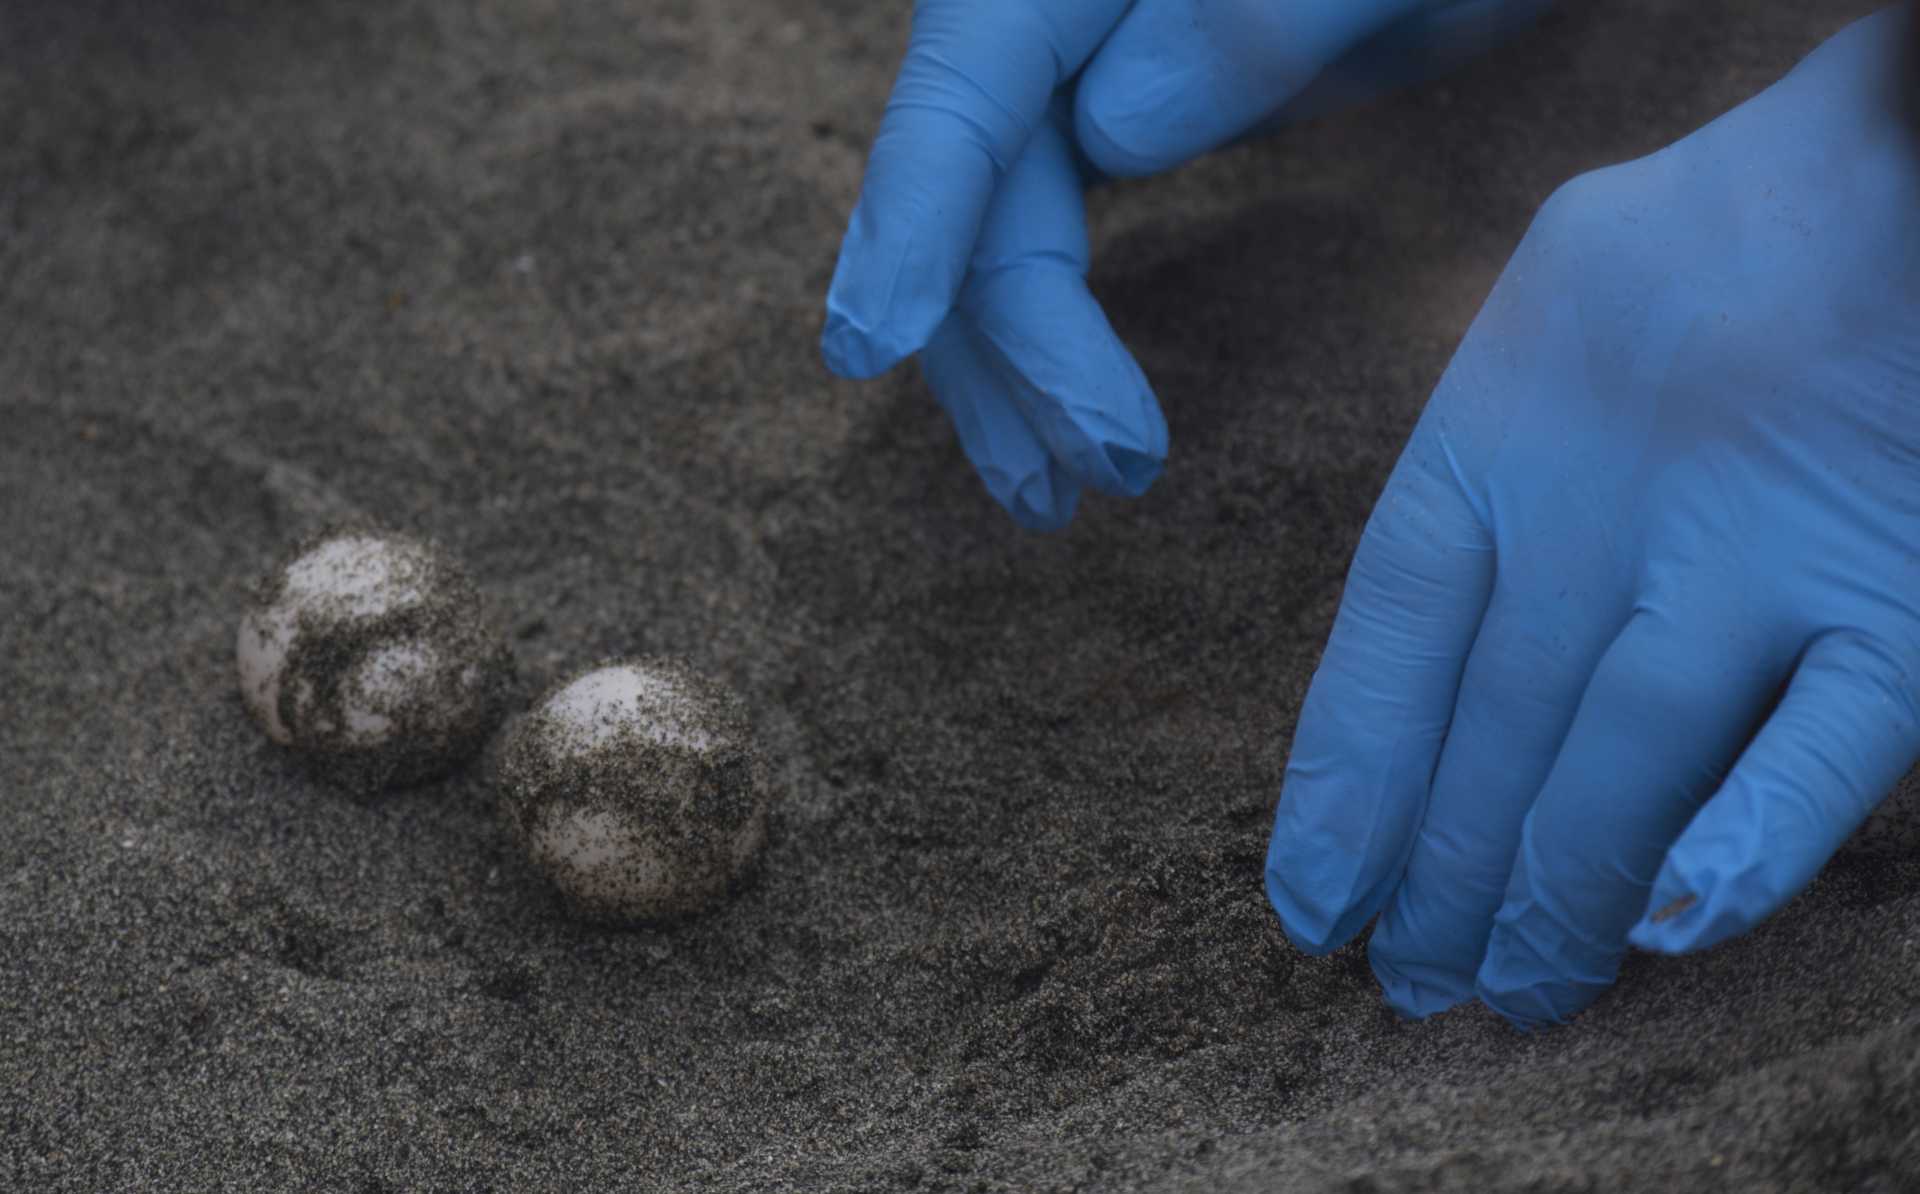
<point x="542" y="281"/>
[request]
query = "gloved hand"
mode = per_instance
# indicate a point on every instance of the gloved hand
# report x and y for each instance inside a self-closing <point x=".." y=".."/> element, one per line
<point x="970" y="242"/>
<point x="1631" y="642"/>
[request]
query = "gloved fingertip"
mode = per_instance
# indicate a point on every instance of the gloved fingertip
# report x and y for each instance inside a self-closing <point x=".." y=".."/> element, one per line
<point x="1666" y="928"/>
<point x="890" y="292"/>
<point x="859" y="353"/>
<point x="1137" y="470"/>
<point x="1658" y="939"/>
<point x="1316" y="922"/>
<point x="1528" y="1009"/>
<point x="1683" y="918"/>
<point x="1099" y="135"/>
<point x="1308" y="942"/>
<point x="1040" y="503"/>
<point x="1686" y="909"/>
<point x="1417" y="992"/>
<point x="1535" y="974"/>
<point x="1117" y="447"/>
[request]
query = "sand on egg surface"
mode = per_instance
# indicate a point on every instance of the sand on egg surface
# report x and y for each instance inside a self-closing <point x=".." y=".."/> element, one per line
<point x="371" y="654"/>
<point x="635" y="786"/>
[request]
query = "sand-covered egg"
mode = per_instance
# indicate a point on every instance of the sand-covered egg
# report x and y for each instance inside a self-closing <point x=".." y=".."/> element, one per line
<point x="371" y="654"/>
<point x="635" y="788"/>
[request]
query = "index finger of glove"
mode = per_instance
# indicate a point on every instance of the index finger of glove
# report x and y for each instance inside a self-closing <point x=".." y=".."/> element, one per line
<point x="976" y="81"/>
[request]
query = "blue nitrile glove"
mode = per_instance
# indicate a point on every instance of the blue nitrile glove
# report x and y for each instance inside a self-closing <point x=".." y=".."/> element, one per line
<point x="969" y="243"/>
<point x="1631" y="642"/>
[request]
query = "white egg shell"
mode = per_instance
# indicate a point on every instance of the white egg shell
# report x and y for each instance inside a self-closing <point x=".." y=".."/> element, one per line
<point x="370" y="653"/>
<point x="635" y="790"/>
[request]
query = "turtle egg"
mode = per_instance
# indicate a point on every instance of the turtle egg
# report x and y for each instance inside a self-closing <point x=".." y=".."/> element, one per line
<point x="371" y="654"/>
<point x="636" y="791"/>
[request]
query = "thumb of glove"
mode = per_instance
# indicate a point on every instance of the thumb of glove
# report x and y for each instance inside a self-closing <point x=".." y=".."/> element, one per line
<point x="1178" y="78"/>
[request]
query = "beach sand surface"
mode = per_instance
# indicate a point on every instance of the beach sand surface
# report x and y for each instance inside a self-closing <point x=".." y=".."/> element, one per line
<point x="543" y="281"/>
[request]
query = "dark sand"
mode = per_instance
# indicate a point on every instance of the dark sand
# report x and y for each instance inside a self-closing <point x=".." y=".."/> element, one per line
<point x="542" y="278"/>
